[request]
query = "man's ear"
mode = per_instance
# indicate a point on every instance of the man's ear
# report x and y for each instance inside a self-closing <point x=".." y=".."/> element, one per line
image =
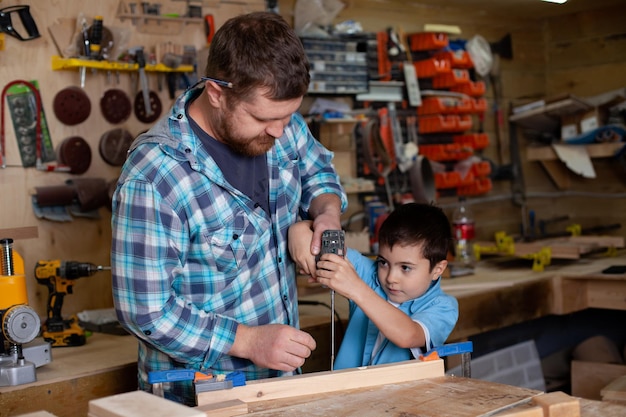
<point x="438" y="269"/>
<point x="214" y="93"/>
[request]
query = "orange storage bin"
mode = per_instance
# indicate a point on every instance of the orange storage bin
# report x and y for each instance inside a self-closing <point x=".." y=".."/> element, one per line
<point x="437" y="123"/>
<point x="437" y="105"/>
<point x="428" y="68"/>
<point x="474" y="140"/>
<point x="479" y="105"/>
<point x="465" y="105"/>
<point x="427" y="41"/>
<point x="447" y="152"/>
<point x="452" y="79"/>
<point x="445" y="180"/>
<point x="458" y="59"/>
<point x="480" y="186"/>
<point x="468" y="180"/>
<point x="464" y="123"/>
<point x="471" y="88"/>
<point x="481" y="169"/>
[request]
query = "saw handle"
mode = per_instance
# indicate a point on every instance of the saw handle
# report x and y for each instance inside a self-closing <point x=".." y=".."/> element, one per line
<point x="6" y="25"/>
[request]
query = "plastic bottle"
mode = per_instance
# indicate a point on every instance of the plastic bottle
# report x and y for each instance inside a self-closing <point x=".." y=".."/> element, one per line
<point x="463" y="229"/>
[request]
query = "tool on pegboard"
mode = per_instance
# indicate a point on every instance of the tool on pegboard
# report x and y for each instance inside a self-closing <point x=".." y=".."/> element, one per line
<point x="209" y="28"/>
<point x="28" y="23"/>
<point x="39" y="137"/>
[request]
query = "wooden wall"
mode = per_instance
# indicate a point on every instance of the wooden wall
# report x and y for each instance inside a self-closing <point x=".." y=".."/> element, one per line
<point x="574" y="54"/>
<point x="81" y="239"/>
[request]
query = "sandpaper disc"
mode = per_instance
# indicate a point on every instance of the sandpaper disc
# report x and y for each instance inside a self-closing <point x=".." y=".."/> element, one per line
<point x="75" y="153"/>
<point x="113" y="146"/>
<point x="115" y="106"/>
<point x="155" y="106"/>
<point x="72" y="106"/>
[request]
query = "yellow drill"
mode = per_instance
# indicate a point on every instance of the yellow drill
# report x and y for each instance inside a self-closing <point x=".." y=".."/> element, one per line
<point x="59" y="277"/>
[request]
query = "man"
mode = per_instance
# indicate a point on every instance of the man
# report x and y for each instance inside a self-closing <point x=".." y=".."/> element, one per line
<point x="201" y="271"/>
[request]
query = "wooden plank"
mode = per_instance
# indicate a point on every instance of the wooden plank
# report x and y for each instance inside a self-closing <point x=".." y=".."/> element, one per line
<point x="615" y="390"/>
<point x="140" y="404"/>
<point x="443" y="396"/>
<point x="225" y="409"/>
<point x="606" y="294"/>
<point x="596" y="150"/>
<point x="570" y="296"/>
<point x="484" y="310"/>
<point x="322" y="382"/>
<point x="558" y="173"/>
<point x="558" y="404"/>
<point x="605" y="21"/>
<point x="601" y="50"/>
<point x="588" y="378"/>
<point x="558" y="251"/>
<point x="27" y="232"/>
<point x="588" y="80"/>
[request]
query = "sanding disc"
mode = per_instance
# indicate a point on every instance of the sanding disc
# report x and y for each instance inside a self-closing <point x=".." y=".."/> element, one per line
<point x="113" y="146"/>
<point x="71" y="106"/>
<point x="115" y="106"/>
<point x="140" y="109"/>
<point x="75" y="153"/>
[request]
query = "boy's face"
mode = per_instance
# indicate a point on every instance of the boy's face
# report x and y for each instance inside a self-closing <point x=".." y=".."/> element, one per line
<point x="404" y="273"/>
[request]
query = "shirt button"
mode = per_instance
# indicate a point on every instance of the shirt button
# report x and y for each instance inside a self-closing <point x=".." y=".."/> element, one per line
<point x="180" y="116"/>
<point x="280" y="259"/>
<point x="285" y="297"/>
<point x="235" y="236"/>
<point x="188" y="150"/>
<point x="147" y="332"/>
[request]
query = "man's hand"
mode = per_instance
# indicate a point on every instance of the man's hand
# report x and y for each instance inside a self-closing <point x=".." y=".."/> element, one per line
<point x="299" y="243"/>
<point x="273" y="346"/>
<point x="326" y="213"/>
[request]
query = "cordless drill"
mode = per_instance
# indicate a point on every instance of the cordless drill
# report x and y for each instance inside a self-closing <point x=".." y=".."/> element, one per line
<point x="59" y="277"/>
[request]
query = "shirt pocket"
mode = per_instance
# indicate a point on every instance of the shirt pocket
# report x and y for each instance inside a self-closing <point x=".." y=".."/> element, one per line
<point x="225" y="249"/>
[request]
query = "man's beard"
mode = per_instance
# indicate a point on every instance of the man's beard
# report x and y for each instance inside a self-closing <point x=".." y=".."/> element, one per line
<point x="223" y="128"/>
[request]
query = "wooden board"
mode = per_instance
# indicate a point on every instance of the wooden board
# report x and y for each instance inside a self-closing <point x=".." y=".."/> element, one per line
<point x="615" y="391"/>
<point x="323" y="382"/>
<point x="570" y="247"/>
<point x="588" y="378"/>
<point x="432" y="397"/>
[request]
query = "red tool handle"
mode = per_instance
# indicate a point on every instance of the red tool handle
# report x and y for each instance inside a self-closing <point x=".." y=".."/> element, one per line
<point x="209" y="28"/>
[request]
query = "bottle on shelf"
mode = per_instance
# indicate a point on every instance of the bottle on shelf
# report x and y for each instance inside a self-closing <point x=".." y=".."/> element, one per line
<point x="463" y="229"/>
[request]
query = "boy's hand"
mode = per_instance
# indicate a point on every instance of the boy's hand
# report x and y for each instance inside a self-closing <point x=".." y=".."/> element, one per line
<point x="337" y="273"/>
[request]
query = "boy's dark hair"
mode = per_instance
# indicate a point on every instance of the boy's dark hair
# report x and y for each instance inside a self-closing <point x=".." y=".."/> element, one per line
<point x="415" y="223"/>
<point x="255" y="50"/>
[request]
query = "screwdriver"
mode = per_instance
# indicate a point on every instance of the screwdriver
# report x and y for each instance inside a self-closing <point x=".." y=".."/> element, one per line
<point x="95" y="37"/>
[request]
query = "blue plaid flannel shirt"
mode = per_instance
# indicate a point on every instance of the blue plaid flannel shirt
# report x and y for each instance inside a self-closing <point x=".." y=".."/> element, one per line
<point x="192" y="256"/>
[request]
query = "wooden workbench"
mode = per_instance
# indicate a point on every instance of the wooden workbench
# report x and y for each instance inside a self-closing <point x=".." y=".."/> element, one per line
<point x="499" y="294"/>
<point x="104" y="366"/>
<point x="431" y="397"/>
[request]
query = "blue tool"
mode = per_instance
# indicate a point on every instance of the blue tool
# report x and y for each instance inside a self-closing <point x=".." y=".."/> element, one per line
<point x="202" y="382"/>
<point x="462" y="348"/>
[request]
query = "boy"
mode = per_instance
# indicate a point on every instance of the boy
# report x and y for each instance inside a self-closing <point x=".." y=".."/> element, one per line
<point x="397" y="307"/>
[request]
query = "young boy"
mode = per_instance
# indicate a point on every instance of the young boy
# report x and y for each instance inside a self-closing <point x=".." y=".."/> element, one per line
<point x="397" y="307"/>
